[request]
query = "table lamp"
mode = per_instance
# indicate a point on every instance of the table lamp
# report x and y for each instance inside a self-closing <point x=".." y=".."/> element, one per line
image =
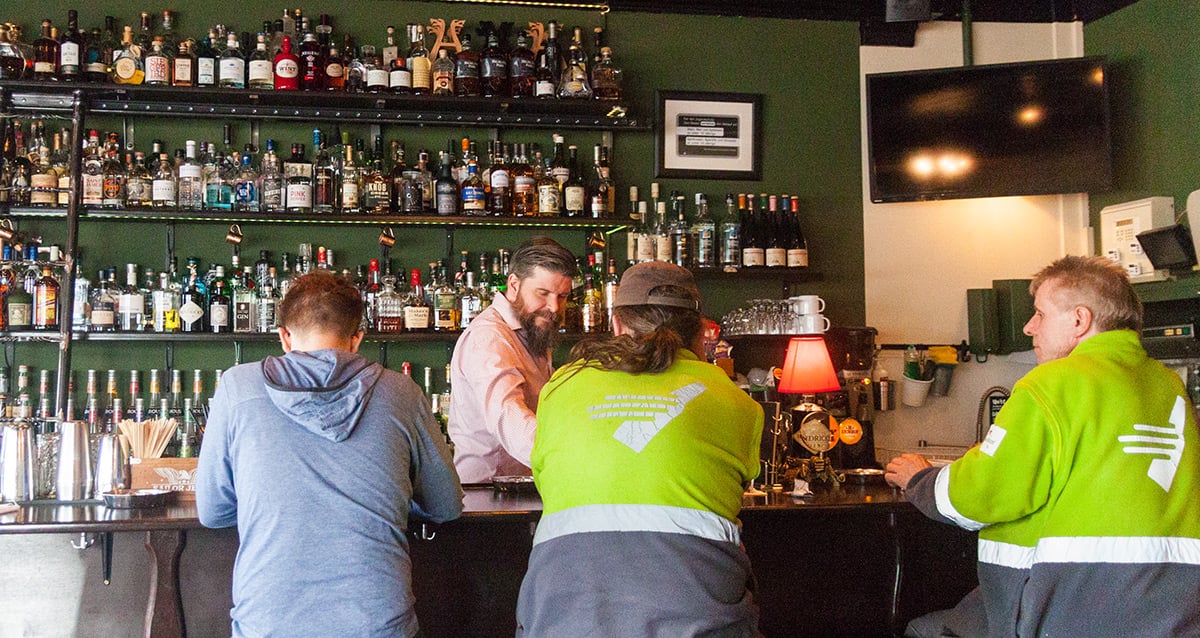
<point x="808" y="370"/>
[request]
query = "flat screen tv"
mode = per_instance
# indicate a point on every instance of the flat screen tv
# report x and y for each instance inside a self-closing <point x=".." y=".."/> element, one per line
<point x="1029" y="128"/>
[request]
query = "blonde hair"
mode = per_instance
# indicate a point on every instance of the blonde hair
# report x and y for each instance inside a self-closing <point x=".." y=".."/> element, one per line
<point x="1098" y="284"/>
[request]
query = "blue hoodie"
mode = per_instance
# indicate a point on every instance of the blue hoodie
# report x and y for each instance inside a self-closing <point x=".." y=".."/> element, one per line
<point x="320" y="458"/>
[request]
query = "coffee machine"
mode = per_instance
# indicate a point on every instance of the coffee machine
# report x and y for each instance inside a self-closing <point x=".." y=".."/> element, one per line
<point x="852" y="350"/>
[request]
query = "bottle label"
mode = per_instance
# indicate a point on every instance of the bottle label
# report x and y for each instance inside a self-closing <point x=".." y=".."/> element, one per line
<point x="705" y="247"/>
<point x="447" y="203"/>
<point x="289" y="68"/>
<point x="189" y="170"/>
<point x="163" y="190"/>
<point x="549" y="199"/>
<point x="472" y="197"/>
<point x="377" y="78"/>
<point x="218" y="315"/>
<point x="400" y="78"/>
<point x="662" y="247"/>
<point x="266" y="314"/>
<point x="574" y="199"/>
<point x="599" y="205"/>
<point x="125" y="68"/>
<point x="753" y="257"/>
<point x="416" y="317"/>
<point x="524" y="184"/>
<point x="494" y="68"/>
<point x="206" y="71"/>
<point x="158" y="69"/>
<point x="544" y="88"/>
<point x="64" y="189"/>
<point x="97" y="67"/>
<point x="797" y="258"/>
<point x="45" y="311"/>
<point x="183" y="71"/>
<point x="499" y="179"/>
<point x="190" y="313"/>
<point x="111" y="191"/>
<point x="261" y="71"/>
<point x="334" y="70"/>
<point x="43" y="67"/>
<point x="93" y="189"/>
<point x="68" y="56"/>
<point x="776" y="257"/>
<point x="420" y="72"/>
<point x="102" y="318"/>
<point x="519" y="67"/>
<point x="19" y="314"/>
<point x="299" y="196"/>
<point x="243" y="316"/>
<point x="233" y="70"/>
<point x="466" y="68"/>
<point x="646" y="247"/>
<point x="42" y="189"/>
<point x="631" y="247"/>
<point x="443" y="81"/>
<point x="349" y="195"/>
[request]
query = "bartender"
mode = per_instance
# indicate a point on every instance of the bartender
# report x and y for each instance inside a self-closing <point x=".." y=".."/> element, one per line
<point x="501" y="362"/>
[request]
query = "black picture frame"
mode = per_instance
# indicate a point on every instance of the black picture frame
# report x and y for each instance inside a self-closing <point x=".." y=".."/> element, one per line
<point x="706" y="135"/>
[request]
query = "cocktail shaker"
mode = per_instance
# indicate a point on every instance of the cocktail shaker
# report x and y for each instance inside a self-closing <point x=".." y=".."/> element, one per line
<point x="17" y="462"/>
<point x="74" y="480"/>
<point x="112" y="466"/>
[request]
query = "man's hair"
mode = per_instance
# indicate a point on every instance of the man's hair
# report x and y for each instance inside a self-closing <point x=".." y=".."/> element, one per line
<point x="1098" y="284"/>
<point x="655" y="336"/>
<point x="542" y="252"/>
<point x="322" y="302"/>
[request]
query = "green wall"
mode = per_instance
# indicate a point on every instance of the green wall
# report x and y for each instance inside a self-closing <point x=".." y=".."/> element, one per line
<point x="807" y="71"/>
<point x="1155" y="76"/>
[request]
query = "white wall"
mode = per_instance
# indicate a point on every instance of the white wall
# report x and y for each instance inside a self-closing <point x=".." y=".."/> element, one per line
<point x="922" y="257"/>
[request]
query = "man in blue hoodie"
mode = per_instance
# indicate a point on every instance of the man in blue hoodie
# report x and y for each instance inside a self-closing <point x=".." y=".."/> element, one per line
<point x="321" y="458"/>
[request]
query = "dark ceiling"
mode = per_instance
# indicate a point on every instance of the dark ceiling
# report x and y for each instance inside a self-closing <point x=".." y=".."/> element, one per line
<point x="873" y="10"/>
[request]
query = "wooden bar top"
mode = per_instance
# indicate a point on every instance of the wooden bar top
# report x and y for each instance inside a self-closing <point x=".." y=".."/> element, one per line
<point x="480" y="504"/>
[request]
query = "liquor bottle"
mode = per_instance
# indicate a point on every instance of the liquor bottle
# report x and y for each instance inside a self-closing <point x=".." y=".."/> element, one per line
<point x="157" y="65"/>
<point x="377" y="76"/>
<point x="127" y="65"/>
<point x="592" y="307"/>
<point x="266" y="306"/>
<point x="574" y="191"/>
<point x="311" y="70"/>
<point x="376" y="184"/>
<point x="559" y="168"/>
<point x="164" y="301"/>
<point x="399" y="75"/>
<point x="163" y="188"/>
<point x="633" y="228"/>
<point x="549" y="194"/>
<point x="493" y="65"/>
<point x="350" y="183"/>
<point x="522" y="74"/>
<point x="260" y="68"/>
<point x="192" y="303"/>
<point x="606" y="77"/>
<point x="472" y="191"/>
<point x="45" y="301"/>
<point x="524" y="183"/>
<point x="245" y="187"/>
<point x="466" y="70"/>
<point x="612" y="281"/>
<point x="500" y="183"/>
<point x="335" y="70"/>
<point x="97" y="53"/>
<point x="442" y="74"/>
<point x="446" y="189"/>
<point x="218" y="305"/>
<point x="244" y="302"/>
<point x="604" y="193"/>
<point x="445" y="300"/>
<point x="271" y="181"/>
<point x="753" y="250"/>
<point x="70" y="50"/>
<point x="118" y="190"/>
<point x="232" y="67"/>
<point x="206" y="61"/>
<point x="418" y="60"/>
<point x="731" y="237"/>
<point x="390" y="51"/>
<point x="663" y="246"/>
<point x="416" y="309"/>
<point x="797" y="248"/>
<point x="575" y="82"/>
<point x="45" y="55"/>
<point x="18" y="304"/>
<point x="190" y="184"/>
<point x="299" y="186"/>
<point x="325" y="179"/>
<point x="183" y="68"/>
<point x="548" y="65"/>
<point x="43" y="178"/>
<point x="389" y="307"/>
<point x="398" y="177"/>
<point x="704" y="231"/>
<point x="775" y="253"/>
<point x="145" y="35"/>
<point x="131" y="305"/>
<point x="102" y="317"/>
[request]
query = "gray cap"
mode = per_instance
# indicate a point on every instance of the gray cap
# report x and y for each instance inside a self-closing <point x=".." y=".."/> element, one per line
<point x="641" y="282"/>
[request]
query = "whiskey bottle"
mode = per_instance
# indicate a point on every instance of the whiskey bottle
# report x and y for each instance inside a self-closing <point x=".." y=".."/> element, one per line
<point x="416" y="309"/>
<point x="45" y="55"/>
<point x="604" y="193"/>
<point x="390" y="51"/>
<point x="376" y="74"/>
<point x="663" y="246"/>
<point x="335" y="70"/>
<point x="399" y="75"/>
<point x="574" y="83"/>
<point x="70" y="50"/>
<point x="606" y="77"/>
<point x="418" y="60"/>
<point x="466" y="70"/>
<point x="493" y="65"/>
<point x="116" y="190"/>
<point x="45" y="301"/>
<point x="612" y="281"/>
<point x="681" y="236"/>
<point x="500" y="183"/>
<point x="522" y="73"/>
<point x="446" y="189"/>
<point x="548" y="65"/>
<point x="445" y="300"/>
<point x="443" y="74"/>
<point x="591" y="308"/>
<point x="376" y="193"/>
<point x="549" y="193"/>
<point x="325" y="179"/>
<point x="472" y="191"/>
<point x="183" y="68"/>
<point x="524" y="184"/>
<point x="574" y="191"/>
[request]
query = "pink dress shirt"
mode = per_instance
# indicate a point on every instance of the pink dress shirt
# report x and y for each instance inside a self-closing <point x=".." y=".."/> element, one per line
<point x="493" y="405"/>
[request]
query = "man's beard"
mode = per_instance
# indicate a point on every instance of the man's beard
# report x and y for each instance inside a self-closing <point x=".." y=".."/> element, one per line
<point x="539" y="336"/>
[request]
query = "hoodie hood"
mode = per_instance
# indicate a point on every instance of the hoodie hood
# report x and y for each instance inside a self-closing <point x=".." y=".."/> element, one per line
<point x="325" y="391"/>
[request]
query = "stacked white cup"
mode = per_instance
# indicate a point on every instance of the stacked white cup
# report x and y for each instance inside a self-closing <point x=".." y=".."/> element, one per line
<point x="808" y="318"/>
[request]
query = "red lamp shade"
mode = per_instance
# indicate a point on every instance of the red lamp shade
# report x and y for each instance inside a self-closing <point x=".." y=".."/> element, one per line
<point x="808" y="369"/>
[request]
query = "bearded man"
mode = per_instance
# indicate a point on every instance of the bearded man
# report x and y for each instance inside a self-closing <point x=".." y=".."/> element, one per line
<point x="501" y="362"/>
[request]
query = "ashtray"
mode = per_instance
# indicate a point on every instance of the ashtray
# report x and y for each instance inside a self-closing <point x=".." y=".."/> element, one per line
<point x="864" y="476"/>
<point x="136" y="499"/>
<point x="514" y="484"/>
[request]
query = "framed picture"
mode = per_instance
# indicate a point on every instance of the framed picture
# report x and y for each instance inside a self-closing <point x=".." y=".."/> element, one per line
<point x="708" y="135"/>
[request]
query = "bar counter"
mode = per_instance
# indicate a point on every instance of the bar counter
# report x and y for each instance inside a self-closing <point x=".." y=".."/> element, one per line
<point x="850" y="561"/>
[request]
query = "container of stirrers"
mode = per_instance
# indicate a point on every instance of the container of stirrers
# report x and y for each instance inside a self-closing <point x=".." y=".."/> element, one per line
<point x="147" y="439"/>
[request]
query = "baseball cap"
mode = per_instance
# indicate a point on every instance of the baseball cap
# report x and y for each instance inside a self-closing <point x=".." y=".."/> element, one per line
<point x="641" y="286"/>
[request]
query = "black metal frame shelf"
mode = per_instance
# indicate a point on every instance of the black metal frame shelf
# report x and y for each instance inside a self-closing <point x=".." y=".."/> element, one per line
<point x="169" y="214"/>
<point x="377" y="108"/>
<point x="781" y="274"/>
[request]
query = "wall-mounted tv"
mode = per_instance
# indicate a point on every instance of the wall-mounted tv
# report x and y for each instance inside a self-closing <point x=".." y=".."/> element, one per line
<point x="1029" y="128"/>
